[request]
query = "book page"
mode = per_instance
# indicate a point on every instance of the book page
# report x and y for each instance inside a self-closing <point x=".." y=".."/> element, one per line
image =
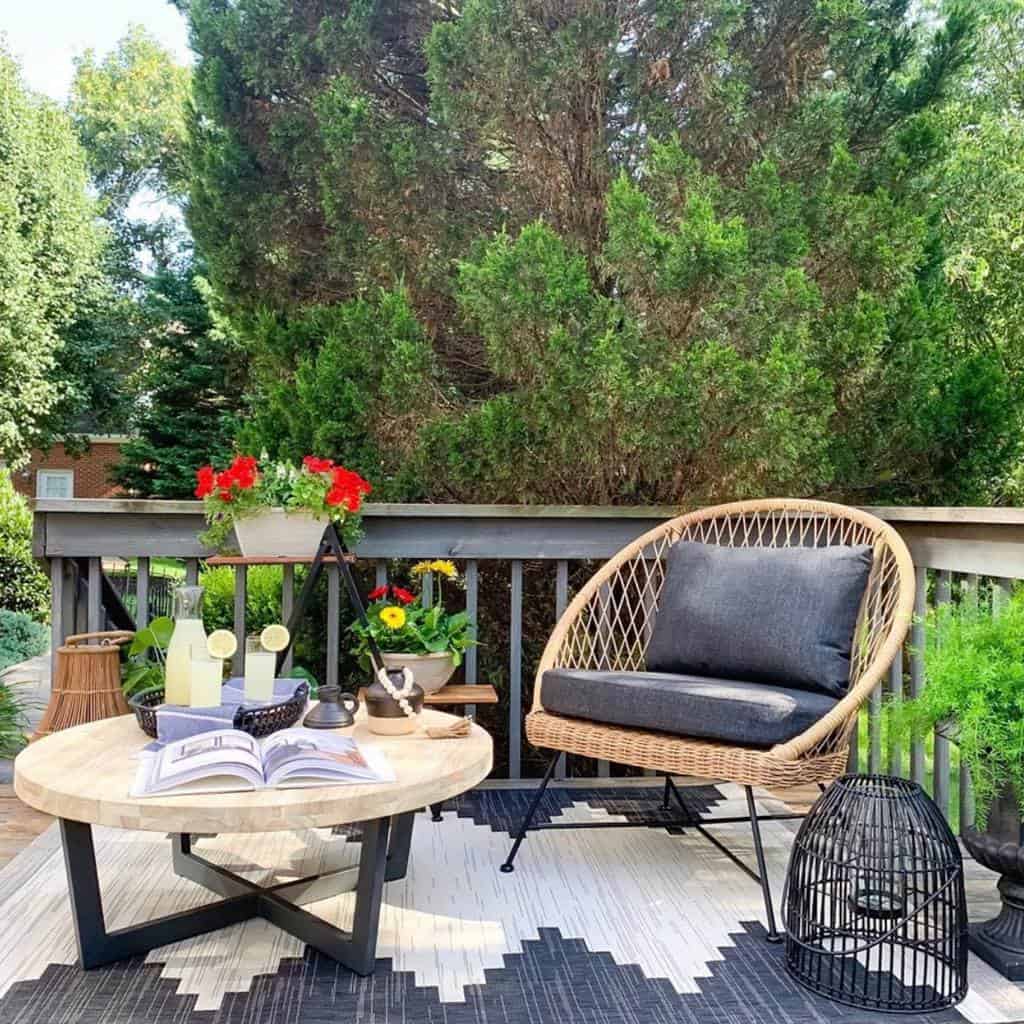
<point x="224" y="758"/>
<point x="315" y="757"/>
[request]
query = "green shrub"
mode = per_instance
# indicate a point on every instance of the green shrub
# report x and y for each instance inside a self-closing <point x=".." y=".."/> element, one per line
<point x="13" y="723"/>
<point x="23" y="588"/>
<point x="21" y="637"/>
<point x="262" y="602"/>
<point x="974" y="689"/>
<point x="15" y="519"/>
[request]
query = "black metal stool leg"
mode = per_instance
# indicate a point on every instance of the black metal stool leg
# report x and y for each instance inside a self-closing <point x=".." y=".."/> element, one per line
<point x="667" y="793"/>
<point x="534" y="804"/>
<point x="435" y="812"/>
<point x="762" y="869"/>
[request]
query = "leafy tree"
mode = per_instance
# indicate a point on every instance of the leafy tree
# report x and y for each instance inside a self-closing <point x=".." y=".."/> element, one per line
<point x="129" y="108"/>
<point x="190" y="382"/>
<point x="49" y="248"/>
<point x="646" y="272"/>
<point x="145" y="355"/>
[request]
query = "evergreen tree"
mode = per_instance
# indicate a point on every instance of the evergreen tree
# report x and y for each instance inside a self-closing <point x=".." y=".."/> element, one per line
<point x="190" y="387"/>
<point x="659" y="250"/>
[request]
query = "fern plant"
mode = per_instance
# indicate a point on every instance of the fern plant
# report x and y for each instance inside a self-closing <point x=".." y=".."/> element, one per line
<point x="974" y="689"/>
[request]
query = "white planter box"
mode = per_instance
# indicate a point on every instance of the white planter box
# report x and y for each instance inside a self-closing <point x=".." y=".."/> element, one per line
<point x="430" y="671"/>
<point x="275" y="533"/>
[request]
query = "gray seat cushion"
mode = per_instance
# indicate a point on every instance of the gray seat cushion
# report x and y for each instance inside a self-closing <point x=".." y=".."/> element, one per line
<point x="781" y="616"/>
<point x="750" y="714"/>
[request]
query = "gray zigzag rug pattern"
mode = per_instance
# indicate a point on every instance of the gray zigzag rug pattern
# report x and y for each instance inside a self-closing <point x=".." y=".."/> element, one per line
<point x="619" y="926"/>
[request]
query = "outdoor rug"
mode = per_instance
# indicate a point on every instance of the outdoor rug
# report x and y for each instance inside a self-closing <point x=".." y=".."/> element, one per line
<point x="617" y="926"/>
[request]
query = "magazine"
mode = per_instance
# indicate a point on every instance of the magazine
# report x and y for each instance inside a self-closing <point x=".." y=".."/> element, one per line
<point x="228" y="760"/>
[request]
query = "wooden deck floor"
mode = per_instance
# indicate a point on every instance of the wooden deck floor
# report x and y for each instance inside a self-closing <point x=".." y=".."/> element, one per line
<point x="19" y="824"/>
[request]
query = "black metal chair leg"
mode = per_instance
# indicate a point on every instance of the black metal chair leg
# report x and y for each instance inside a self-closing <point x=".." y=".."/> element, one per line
<point x="435" y="812"/>
<point x="762" y="868"/>
<point x="668" y="791"/>
<point x="534" y="804"/>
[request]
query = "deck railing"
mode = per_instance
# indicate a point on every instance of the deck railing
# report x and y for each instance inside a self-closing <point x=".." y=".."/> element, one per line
<point x="966" y="552"/>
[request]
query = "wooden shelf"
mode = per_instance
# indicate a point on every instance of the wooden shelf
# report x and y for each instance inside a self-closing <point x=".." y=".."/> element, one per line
<point x="270" y="560"/>
<point x="457" y="694"/>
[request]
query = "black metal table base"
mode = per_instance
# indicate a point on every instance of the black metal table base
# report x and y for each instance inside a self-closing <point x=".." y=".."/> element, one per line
<point x="385" y="855"/>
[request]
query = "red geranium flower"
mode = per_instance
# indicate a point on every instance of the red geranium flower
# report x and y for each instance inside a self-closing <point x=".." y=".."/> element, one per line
<point x="205" y="477"/>
<point x="377" y="593"/>
<point x="347" y="488"/>
<point x="317" y="465"/>
<point x="402" y="595"/>
<point x="243" y="471"/>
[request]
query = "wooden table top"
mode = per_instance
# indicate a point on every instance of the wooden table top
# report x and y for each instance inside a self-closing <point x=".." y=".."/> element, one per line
<point x="85" y="774"/>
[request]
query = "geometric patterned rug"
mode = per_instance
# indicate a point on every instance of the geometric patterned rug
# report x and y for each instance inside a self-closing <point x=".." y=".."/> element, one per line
<point x="618" y="926"/>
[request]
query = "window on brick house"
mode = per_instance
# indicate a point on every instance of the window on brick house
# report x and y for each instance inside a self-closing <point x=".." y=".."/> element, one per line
<point x="55" y="483"/>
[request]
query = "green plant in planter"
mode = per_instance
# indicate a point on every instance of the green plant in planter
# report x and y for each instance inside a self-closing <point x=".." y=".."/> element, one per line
<point x="147" y="654"/>
<point x="974" y="688"/>
<point x="400" y="623"/>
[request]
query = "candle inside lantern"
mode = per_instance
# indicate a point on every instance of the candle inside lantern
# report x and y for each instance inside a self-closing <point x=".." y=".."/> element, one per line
<point x="260" y="670"/>
<point x="206" y="674"/>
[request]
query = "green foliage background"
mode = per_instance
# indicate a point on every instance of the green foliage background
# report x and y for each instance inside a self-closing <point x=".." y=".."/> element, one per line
<point x="634" y="252"/>
<point x="50" y="248"/>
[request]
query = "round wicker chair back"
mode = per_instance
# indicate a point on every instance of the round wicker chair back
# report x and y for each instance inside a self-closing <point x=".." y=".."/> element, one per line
<point x="608" y="624"/>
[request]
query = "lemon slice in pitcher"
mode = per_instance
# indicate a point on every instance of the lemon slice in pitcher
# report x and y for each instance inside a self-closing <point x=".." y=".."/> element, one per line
<point x="221" y="643"/>
<point x="275" y="637"/>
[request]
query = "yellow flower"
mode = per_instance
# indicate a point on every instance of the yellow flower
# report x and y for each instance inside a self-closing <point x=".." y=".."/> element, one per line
<point x="393" y="617"/>
<point x="421" y="567"/>
<point x="444" y="567"/>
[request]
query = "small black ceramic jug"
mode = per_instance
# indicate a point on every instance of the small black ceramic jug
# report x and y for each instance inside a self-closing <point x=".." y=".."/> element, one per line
<point x="335" y="710"/>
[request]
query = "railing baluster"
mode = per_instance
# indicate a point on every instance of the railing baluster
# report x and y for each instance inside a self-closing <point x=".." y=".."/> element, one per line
<point x="287" y="606"/>
<point x="941" y="764"/>
<point x="561" y="603"/>
<point x="896" y="693"/>
<point x="515" y="674"/>
<point x="917" y="760"/>
<point x="427" y="590"/>
<point x="142" y="593"/>
<point x="380" y="572"/>
<point x="971" y="597"/>
<point x="333" y="622"/>
<point x="472" y="576"/>
<point x="57" y="625"/>
<point x="875" y="730"/>
<point x="94" y="622"/>
<point x="191" y="571"/>
<point x="241" y="588"/>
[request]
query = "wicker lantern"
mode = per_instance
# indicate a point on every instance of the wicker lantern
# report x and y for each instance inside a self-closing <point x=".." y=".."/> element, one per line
<point x="875" y="906"/>
<point x="87" y="685"/>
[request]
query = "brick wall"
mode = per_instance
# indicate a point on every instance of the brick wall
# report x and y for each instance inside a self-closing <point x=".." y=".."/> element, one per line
<point x="92" y="470"/>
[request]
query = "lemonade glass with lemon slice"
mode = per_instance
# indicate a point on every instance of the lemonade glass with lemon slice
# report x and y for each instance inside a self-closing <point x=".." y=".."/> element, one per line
<point x="261" y="661"/>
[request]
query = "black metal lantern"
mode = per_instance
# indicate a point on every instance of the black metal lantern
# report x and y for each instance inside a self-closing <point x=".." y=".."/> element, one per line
<point x="875" y="907"/>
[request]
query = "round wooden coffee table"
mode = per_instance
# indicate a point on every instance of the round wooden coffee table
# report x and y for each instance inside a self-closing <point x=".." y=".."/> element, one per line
<point x="83" y="775"/>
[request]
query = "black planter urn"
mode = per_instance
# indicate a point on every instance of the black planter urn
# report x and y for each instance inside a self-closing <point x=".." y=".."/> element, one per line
<point x="1000" y="942"/>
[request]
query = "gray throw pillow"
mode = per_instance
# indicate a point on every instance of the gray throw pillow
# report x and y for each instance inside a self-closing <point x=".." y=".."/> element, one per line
<point x="783" y="616"/>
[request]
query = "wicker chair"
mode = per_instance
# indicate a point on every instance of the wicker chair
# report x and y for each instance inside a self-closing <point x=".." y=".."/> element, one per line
<point x="608" y="625"/>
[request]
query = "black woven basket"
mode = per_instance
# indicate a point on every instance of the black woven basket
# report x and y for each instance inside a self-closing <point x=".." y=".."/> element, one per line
<point x="256" y="722"/>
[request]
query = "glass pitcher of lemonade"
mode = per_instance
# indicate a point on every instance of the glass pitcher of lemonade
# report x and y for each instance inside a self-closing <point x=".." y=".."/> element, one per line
<point x="188" y="633"/>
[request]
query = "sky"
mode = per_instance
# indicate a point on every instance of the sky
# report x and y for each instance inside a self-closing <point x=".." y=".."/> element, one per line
<point x="45" y="35"/>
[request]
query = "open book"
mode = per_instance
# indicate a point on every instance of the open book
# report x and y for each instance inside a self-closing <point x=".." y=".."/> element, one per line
<point x="227" y="760"/>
